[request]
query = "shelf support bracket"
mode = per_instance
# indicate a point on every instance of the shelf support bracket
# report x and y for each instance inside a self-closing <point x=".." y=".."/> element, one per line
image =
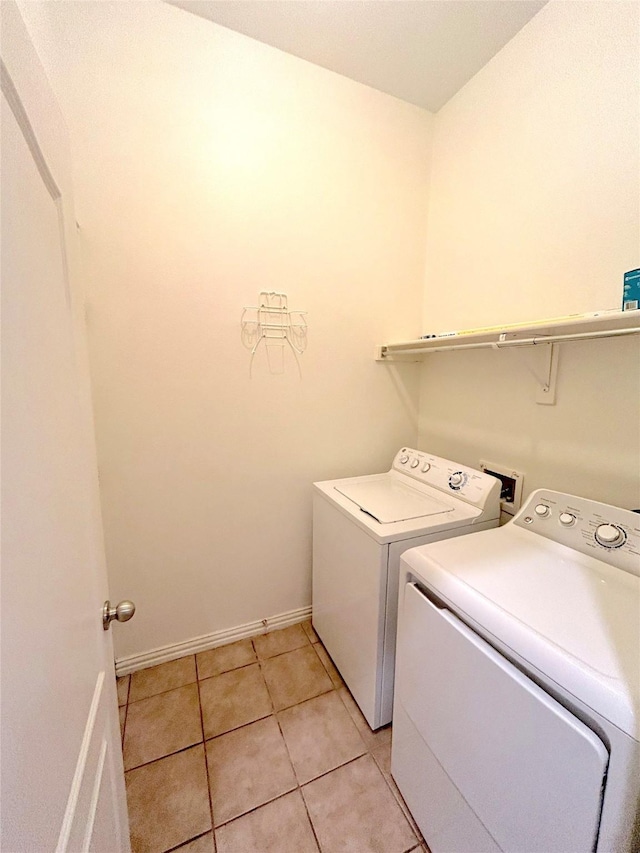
<point x="545" y="372"/>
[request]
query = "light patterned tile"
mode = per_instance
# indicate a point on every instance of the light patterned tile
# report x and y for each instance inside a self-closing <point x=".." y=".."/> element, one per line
<point x="405" y="808"/>
<point x="281" y="826"/>
<point x="225" y="658"/>
<point x="161" y="725"/>
<point x="168" y="801"/>
<point x="278" y="642"/>
<point x="352" y="809"/>
<point x="165" y="676"/>
<point x="247" y="768"/>
<point x="311" y="634"/>
<point x="295" y="676"/>
<point x="329" y="665"/>
<point x="372" y="739"/>
<point x="382" y="757"/>
<point x="320" y="736"/>
<point x="123" y="689"/>
<point x="233" y="699"/>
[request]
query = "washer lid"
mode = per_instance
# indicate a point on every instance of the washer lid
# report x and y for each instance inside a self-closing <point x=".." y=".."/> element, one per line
<point x="387" y="500"/>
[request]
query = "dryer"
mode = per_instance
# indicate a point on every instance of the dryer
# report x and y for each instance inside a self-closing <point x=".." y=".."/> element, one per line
<point x="361" y="526"/>
<point x="517" y="702"/>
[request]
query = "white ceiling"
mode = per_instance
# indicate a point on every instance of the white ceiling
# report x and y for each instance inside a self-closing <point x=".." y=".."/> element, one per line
<point x="422" y="51"/>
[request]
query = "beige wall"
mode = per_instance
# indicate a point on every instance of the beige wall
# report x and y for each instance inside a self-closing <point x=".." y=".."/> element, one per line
<point x="210" y="167"/>
<point x="535" y="182"/>
<point x="534" y="212"/>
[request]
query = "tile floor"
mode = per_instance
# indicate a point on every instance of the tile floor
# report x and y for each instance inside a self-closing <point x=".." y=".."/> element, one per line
<point x="257" y="747"/>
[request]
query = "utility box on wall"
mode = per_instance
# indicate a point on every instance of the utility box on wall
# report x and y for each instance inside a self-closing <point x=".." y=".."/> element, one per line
<point x="511" y="491"/>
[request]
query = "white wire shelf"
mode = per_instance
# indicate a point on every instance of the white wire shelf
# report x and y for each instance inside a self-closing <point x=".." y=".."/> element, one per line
<point x="605" y="324"/>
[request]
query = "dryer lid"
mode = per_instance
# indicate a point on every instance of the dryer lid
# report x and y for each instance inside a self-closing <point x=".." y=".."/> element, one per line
<point x="387" y="500"/>
<point x="572" y="617"/>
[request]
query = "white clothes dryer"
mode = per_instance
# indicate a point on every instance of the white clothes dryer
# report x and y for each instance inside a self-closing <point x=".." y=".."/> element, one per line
<point x="361" y="526"/>
<point x="517" y="702"/>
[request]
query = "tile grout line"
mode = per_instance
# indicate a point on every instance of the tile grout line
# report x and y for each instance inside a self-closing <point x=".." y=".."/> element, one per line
<point x="370" y="749"/>
<point x="295" y="776"/>
<point x="273" y="707"/>
<point x="273" y="714"/>
<point x="395" y="797"/>
<point x="161" y="692"/>
<point x="206" y="760"/>
<point x="126" y="712"/>
<point x="323" y="664"/>
<point x="168" y="755"/>
<point x="195" y="838"/>
<point x="225" y="671"/>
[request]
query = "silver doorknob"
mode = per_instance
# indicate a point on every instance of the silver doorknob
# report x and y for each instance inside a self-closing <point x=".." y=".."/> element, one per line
<point x="122" y="612"/>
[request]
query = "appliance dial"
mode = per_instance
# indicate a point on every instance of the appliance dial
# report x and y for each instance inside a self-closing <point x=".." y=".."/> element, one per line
<point x="404" y="459"/>
<point x="610" y="536"/>
<point x="542" y="511"/>
<point x="415" y="463"/>
<point x="425" y="467"/>
<point x="566" y="519"/>
<point x="456" y="479"/>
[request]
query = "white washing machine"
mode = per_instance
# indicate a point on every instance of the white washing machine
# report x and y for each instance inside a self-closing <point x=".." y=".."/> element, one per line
<point x="361" y="526"/>
<point x="517" y="704"/>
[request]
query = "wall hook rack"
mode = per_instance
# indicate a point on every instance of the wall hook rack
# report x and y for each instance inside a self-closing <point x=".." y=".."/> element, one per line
<point x="272" y="323"/>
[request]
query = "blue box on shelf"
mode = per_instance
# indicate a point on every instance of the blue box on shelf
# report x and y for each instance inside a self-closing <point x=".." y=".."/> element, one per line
<point x="631" y="291"/>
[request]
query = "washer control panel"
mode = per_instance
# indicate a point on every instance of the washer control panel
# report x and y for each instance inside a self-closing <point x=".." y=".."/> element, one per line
<point x="608" y="533"/>
<point x="472" y="486"/>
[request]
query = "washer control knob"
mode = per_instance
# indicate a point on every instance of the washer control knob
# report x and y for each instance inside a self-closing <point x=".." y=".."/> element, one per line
<point x="610" y="536"/>
<point x="426" y="466"/>
<point x="456" y="479"/>
<point x="542" y="511"/>
<point x="566" y="519"/>
<point x="404" y="459"/>
<point x="415" y="463"/>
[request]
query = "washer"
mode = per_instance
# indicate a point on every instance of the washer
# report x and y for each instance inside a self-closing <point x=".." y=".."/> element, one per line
<point x="517" y="703"/>
<point x="361" y="526"/>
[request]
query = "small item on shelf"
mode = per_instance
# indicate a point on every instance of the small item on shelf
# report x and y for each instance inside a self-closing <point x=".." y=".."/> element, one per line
<point x="631" y="291"/>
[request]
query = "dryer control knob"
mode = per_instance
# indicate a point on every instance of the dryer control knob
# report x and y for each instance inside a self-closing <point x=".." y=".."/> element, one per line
<point x="610" y="536"/>
<point x="404" y="459"/>
<point x="426" y="466"/>
<point x="542" y="511"/>
<point x="456" y="479"/>
<point x="415" y="463"/>
<point x="566" y="519"/>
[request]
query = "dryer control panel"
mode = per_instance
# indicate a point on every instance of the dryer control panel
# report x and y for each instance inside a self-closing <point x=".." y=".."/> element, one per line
<point x="472" y="486"/>
<point x="608" y="533"/>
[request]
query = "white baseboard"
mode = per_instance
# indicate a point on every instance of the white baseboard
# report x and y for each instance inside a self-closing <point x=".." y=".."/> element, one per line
<point x="209" y="641"/>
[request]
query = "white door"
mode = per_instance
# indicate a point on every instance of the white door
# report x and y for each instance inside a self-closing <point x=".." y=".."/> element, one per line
<point x="62" y="780"/>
